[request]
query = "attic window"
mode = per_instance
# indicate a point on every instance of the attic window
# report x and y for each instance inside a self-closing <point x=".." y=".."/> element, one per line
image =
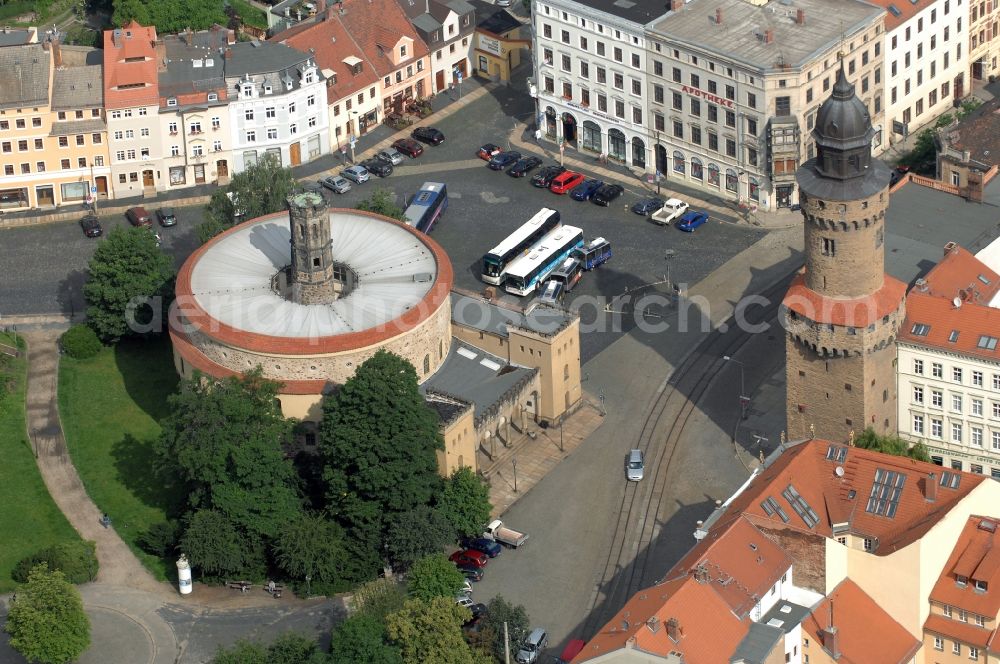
<point x="894" y="10"/>
<point x="980" y="585"/>
<point x="771" y="507"/>
<point x="128" y="34"/>
<point x="920" y="329"/>
<point x="800" y="506"/>
<point x="267" y="89"/>
<point x="961" y="581"/>
<point x="884" y="499"/>
<point x="172" y="102"/>
<point x="836" y="453"/>
<point x="196" y="63"/>
<point x="212" y="96"/>
<point x="356" y="69"/>
<point x="983" y="279"/>
<point x="950" y="480"/>
<point x="953" y="336"/>
<point x="987" y="342"/>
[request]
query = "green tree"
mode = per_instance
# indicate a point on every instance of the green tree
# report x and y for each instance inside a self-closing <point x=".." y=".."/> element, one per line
<point x="416" y="533"/>
<point x="465" y="502"/>
<point x="378" y="598"/>
<point x="217" y="547"/>
<point x="310" y="545"/>
<point x="362" y="638"/>
<point x="894" y="445"/>
<point x="47" y="623"/>
<point x="241" y="652"/>
<point x="434" y="576"/>
<point x="76" y="560"/>
<point x="289" y="648"/>
<point x="129" y="283"/>
<point x="382" y="201"/>
<point x="80" y="342"/>
<point x="224" y="439"/>
<point x="259" y="189"/>
<point x="129" y="10"/>
<point x="379" y="441"/>
<point x="500" y="611"/>
<point x="431" y="631"/>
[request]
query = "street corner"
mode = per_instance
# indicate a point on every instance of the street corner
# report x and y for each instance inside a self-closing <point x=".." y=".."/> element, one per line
<point x="118" y="637"/>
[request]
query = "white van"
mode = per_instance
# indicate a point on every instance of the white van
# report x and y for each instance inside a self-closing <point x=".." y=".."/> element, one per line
<point x="532" y="646"/>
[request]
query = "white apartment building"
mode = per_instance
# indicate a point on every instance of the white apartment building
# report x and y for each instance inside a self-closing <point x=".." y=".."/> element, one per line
<point x="948" y="364"/>
<point x="590" y="79"/>
<point x="926" y="61"/>
<point x="735" y="87"/>
<point x="277" y="104"/>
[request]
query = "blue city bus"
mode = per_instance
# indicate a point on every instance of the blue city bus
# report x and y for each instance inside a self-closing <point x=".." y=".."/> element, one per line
<point x="594" y="254"/>
<point x="530" y="271"/>
<point x="425" y="208"/>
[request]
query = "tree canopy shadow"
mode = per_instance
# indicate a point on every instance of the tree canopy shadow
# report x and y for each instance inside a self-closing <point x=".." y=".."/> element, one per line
<point x="135" y="464"/>
<point x="147" y="369"/>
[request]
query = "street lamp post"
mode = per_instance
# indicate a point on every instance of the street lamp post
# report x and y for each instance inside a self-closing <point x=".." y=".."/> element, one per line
<point x="656" y="161"/>
<point x="513" y="463"/>
<point x="744" y="399"/>
<point x="561" y="435"/>
<point x="667" y="256"/>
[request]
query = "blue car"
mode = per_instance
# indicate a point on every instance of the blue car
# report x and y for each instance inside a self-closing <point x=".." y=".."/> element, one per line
<point x="583" y="192"/>
<point x="498" y="162"/>
<point x="483" y="545"/>
<point x="647" y="206"/>
<point x="692" y="220"/>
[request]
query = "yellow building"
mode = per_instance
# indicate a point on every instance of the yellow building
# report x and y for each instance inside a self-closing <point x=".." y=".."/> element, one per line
<point x="53" y="139"/>
<point x="496" y="44"/>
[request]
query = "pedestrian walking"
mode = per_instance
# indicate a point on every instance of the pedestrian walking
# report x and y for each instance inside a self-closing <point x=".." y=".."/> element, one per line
<point x="270" y="587"/>
<point x="105" y="520"/>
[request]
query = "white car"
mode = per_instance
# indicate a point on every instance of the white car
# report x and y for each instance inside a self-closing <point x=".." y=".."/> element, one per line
<point x="356" y="174"/>
<point x="390" y="155"/>
<point x="336" y="183"/>
<point x="464" y="600"/>
<point x="670" y="211"/>
<point x="635" y="465"/>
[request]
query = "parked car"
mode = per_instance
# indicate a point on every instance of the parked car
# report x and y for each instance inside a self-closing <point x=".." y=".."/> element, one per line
<point x="466" y="588"/>
<point x="671" y="210"/>
<point x="692" y="220"/>
<point x="483" y="545"/>
<point x="562" y="183"/>
<point x="409" y="147"/>
<point x="137" y="216"/>
<point x="897" y="174"/>
<point x="503" y="160"/>
<point x="336" y="184"/>
<point x="428" y="135"/>
<point x="471" y="573"/>
<point x="607" y="193"/>
<point x="166" y="216"/>
<point x="524" y="166"/>
<point x="390" y="155"/>
<point x="532" y="647"/>
<point x="572" y="649"/>
<point x="91" y="226"/>
<point x="489" y="150"/>
<point x="464" y="600"/>
<point x="356" y="174"/>
<point x="498" y="532"/>
<point x="552" y="294"/>
<point x="647" y="206"/>
<point x="635" y="465"/>
<point x="586" y="190"/>
<point x="478" y="611"/>
<point x="383" y="169"/>
<point x="469" y="557"/>
<point x="544" y="177"/>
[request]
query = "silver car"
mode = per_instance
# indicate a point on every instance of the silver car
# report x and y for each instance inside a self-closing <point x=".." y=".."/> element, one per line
<point x="391" y="155"/>
<point x="356" y="174"/>
<point x="336" y="184"/>
<point x="635" y="465"/>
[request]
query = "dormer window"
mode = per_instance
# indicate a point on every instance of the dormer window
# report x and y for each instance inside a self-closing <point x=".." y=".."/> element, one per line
<point x="402" y="51"/>
<point x="309" y="77"/>
<point x="212" y="96"/>
<point x="356" y="69"/>
<point x="267" y="89"/>
<point x="980" y="585"/>
<point x="248" y="90"/>
<point x="128" y="34"/>
<point x="172" y="101"/>
<point x="961" y="581"/>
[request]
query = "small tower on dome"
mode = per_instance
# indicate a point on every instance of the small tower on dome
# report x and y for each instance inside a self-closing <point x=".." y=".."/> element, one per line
<point x="312" y="269"/>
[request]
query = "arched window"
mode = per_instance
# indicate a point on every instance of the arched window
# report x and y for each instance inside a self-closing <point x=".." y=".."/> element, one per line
<point x="732" y="181"/>
<point x="638" y="152"/>
<point x="713" y="175"/>
<point x="696" y="169"/>
<point x="616" y="144"/>
<point x="590" y="137"/>
<point x="427" y="364"/>
<point x="754" y="188"/>
<point x="302" y="231"/>
<point x="440" y="349"/>
<point x="550" y="121"/>
<point x="678" y="162"/>
<point x="566" y="372"/>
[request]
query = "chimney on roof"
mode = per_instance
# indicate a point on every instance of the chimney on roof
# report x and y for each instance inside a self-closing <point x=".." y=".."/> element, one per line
<point x="674" y="630"/>
<point x="768" y="36"/>
<point x="676" y="5"/>
<point x="975" y="186"/>
<point x="56" y="53"/>
<point x="45" y="45"/>
<point x="701" y="574"/>
<point x="229" y="53"/>
<point x="950" y="247"/>
<point x="831" y="639"/>
<point x="800" y="17"/>
<point x="718" y="16"/>
<point x="930" y="487"/>
<point x="116" y="37"/>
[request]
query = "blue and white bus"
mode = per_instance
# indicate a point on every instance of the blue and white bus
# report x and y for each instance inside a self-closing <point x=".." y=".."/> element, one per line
<point x="425" y="208"/>
<point x="594" y="254"/>
<point x="517" y="243"/>
<point x="529" y="272"/>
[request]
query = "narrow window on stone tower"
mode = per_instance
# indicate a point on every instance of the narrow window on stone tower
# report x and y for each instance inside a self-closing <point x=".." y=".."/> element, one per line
<point x="316" y="262"/>
<point x="427" y="364"/>
<point x="302" y="231"/>
<point x="879" y="237"/>
<point x="829" y="247"/>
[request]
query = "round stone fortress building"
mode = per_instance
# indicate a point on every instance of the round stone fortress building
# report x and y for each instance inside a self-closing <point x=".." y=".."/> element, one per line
<point x="308" y="295"/>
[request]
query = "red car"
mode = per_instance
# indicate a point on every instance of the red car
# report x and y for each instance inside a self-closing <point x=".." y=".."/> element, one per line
<point x="469" y="558"/>
<point x="489" y="151"/>
<point x="409" y="147"/>
<point x="565" y="181"/>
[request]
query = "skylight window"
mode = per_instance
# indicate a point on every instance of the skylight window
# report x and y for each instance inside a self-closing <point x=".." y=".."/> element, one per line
<point x="987" y="342"/>
<point x="983" y="279"/>
<point x="920" y="329"/>
<point x="894" y="10"/>
<point x="950" y="480"/>
<point x="836" y="453"/>
<point x="771" y="507"/>
<point x="953" y="336"/>
<point x="884" y="499"/>
<point x="800" y="506"/>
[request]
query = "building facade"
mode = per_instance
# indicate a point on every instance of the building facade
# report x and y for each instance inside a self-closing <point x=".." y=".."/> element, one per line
<point x="497" y="45"/>
<point x="842" y="313"/>
<point x="736" y="88"/>
<point x="926" y="62"/>
<point x="446" y="27"/>
<point x="983" y="19"/>
<point x="949" y="367"/>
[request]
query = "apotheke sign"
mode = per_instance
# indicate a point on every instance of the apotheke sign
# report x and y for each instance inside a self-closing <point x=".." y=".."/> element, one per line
<point x="695" y="92"/>
<point x="491" y="45"/>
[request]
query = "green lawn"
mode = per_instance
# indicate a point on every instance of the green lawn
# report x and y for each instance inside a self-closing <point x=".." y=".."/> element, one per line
<point x="29" y="520"/>
<point x="250" y="14"/>
<point x="111" y="406"/>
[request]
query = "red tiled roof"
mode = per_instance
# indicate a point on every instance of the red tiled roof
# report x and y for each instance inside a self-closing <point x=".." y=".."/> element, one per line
<point x="959" y="275"/>
<point x="119" y="73"/>
<point x="805" y="466"/>
<point x="865" y="632"/>
<point x="976" y="556"/>
<point x="907" y="9"/>
<point x="381" y="23"/>
<point x="332" y="43"/>
<point x="956" y="629"/>
<point x="848" y="312"/>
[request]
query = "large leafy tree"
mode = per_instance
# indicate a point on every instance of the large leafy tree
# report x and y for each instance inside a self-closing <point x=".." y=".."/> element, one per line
<point x="46" y="622"/>
<point x="416" y="533"/>
<point x="289" y="648"/>
<point x="465" y="502"/>
<point x="382" y="201"/>
<point x="500" y="611"/>
<point x="362" y="638"/>
<point x="434" y="576"/>
<point x="217" y="547"/>
<point x="259" y="189"/>
<point x="378" y="598"/>
<point x="311" y="545"/>
<point x="894" y="445"/>
<point x="129" y="283"/>
<point x="224" y="440"/>
<point x="128" y="10"/>
<point x="431" y="631"/>
<point x="379" y="441"/>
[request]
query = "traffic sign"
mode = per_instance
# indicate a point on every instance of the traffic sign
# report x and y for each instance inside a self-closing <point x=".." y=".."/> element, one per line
<point x="93" y="190"/>
<point x="353" y="140"/>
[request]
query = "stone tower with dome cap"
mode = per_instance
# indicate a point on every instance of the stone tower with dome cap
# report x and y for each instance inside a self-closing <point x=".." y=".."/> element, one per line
<point x="842" y="312"/>
<point x="312" y="267"/>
